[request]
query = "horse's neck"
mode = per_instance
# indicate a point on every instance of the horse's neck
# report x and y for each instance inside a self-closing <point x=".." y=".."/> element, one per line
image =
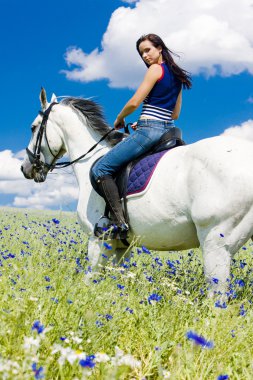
<point x="79" y="138"/>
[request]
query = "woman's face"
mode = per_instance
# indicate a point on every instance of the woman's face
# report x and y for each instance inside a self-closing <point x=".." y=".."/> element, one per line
<point x="149" y="53"/>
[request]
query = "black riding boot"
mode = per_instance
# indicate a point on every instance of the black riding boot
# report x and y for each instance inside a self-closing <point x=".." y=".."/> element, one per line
<point x="110" y="193"/>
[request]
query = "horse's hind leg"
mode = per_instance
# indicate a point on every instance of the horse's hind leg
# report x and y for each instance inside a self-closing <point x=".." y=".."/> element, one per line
<point x="218" y="244"/>
<point x="217" y="259"/>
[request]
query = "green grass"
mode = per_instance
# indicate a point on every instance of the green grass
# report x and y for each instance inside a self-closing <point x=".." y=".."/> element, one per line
<point x="43" y="266"/>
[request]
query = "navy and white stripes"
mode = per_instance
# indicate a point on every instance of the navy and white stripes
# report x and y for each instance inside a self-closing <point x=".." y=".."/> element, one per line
<point x="156" y="112"/>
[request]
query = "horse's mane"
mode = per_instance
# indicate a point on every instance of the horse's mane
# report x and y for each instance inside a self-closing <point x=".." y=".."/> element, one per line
<point x="94" y="116"/>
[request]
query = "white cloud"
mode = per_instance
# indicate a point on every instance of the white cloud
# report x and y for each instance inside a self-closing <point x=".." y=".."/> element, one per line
<point x="9" y="166"/>
<point x="59" y="190"/>
<point x="244" y="131"/>
<point x="212" y="36"/>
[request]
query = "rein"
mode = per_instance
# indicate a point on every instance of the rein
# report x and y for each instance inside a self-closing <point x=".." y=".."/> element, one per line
<point x="35" y="156"/>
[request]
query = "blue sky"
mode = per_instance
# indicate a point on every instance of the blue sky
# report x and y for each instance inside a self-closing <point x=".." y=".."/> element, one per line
<point x="37" y="35"/>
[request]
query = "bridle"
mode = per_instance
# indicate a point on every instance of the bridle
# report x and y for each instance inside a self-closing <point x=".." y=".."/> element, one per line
<point x="35" y="157"/>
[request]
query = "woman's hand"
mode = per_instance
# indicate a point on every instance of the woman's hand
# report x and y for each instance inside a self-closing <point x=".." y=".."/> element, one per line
<point x="119" y="123"/>
<point x="134" y="126"/>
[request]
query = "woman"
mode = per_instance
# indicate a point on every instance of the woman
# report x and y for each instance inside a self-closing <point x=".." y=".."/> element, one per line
<point x="161" y="94"/>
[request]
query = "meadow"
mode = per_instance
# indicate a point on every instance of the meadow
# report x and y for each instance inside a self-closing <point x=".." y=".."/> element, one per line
<point x="150" y="319"/>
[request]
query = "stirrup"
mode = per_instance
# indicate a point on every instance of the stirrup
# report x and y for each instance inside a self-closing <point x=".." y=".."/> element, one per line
<point x="106" y="229"/>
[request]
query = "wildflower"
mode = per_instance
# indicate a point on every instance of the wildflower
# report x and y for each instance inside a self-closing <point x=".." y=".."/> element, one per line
<point x="55" y="300"/>
<point x="101" y="357"/>
<point x="56" y="221"/>
<point x="108" y="317"/>
<point x="38" y="372"/>
<point x="199" y="340"/>
<point x="67" y="354"/>
<point x="240" y="282"/>
<point x="221" y="235"/>
<point x="30" y="342"/>
<point x="154" y="297"/>
<point x="88" y="361"/>
<point x="166" y="374"/>
<point x="120" y="286"/>
<point x="69" y="302"/>
<point x="233" y="333"/>
<point x="130" y="310"/>
<point x="38" y="326"/>
<point x="221" y="305"/>
<point x="107" y="246"/>
<point x="215" y="280"/>
<point x="222" y="377"/>
<point x="242" y="311"/>
<point x="121" y="359"/>
<point x="145" y="250"/>
<point x="47" y="278"/>
<point x="104" y="256"/>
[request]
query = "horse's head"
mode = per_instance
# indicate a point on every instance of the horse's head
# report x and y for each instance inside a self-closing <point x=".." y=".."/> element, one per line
<point x="46" y="144"/>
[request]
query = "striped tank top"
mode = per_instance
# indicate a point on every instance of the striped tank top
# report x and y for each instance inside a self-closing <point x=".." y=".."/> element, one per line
<point x="161" y="101"/>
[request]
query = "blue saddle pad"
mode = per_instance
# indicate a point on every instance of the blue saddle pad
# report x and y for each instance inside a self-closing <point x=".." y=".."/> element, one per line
<point x="141" y="173"/>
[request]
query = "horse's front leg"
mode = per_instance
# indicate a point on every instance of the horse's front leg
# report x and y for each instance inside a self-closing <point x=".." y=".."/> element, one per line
<point x="100" y="252"/>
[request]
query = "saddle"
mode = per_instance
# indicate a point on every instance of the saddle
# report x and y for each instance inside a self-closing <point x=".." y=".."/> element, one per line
<point x="169" y="140"/>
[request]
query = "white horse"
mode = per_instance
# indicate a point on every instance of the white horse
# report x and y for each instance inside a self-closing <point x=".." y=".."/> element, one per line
<point x="200" y="194"/>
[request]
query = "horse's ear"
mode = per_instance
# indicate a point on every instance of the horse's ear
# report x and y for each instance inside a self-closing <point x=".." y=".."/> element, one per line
<point x="43" y="99"/>
<point x="53" y="99"/>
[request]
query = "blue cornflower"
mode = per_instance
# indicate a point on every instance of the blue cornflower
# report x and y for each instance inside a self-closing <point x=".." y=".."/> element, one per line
<point x="222" y="377"/>
<point x="108" y="317"/>
<point x="242" y="264"/>
<point x="154" y="297"/>
<point x="63" y="338"/>
<point x="107" y="246"/>
<point x="221" y="235"/>
<point x="129" y="310"/>
<point x="215" y="280"/>
<point x="38" y="372"/>
<point x="242" y="311"/>
<point x="199" y="340"/>
<point x="88" y="361"/>
<point x="56" y="221"/>
<point x="221" y="305"/>
<point x="240" y="282"/>
<point x="104" y="256"/>
<point x="158" y="261"/>
<point x="47" y="278"/>
<point x="69" y="302"/>
<point x="145" y="250"/>
<point x="38" y="326"/>
<point x="55" y="299"/>
<point x="120" y="286"/>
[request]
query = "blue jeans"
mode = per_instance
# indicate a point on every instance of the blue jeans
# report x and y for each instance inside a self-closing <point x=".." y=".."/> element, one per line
<point x="146" y="136"/>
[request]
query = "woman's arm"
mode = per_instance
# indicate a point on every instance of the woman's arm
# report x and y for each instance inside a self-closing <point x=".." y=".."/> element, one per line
<point x="177" y="109"/>
<point x="152" y="75"/>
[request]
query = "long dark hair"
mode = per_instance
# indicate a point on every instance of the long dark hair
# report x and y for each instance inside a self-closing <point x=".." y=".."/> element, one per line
<point x="156" y="41"/>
